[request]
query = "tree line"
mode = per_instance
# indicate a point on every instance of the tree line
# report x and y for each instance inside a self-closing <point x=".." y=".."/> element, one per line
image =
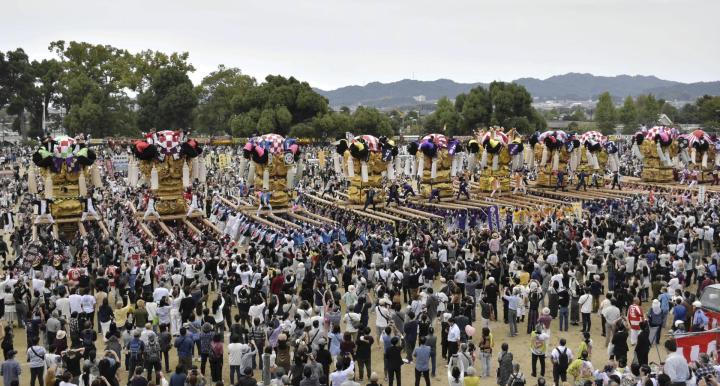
<point x="107" y="91"/>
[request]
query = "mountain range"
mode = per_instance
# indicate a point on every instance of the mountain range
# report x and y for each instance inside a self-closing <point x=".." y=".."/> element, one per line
<point x="571" y="86"/>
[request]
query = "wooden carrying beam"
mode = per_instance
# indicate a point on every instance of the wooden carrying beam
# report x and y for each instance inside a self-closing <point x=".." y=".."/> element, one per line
<point x="166" y="230"/>
<point x="192" y="227"/>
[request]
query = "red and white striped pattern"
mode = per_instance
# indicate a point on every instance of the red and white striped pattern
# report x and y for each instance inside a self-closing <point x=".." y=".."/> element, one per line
<point x="275" y="141"/>
<point x="499" y="136"/>
<point x="372" y="142"/>
<point x="693" y="344"/>
<point x="593" y="136"/>
<point x="440" y="140"/>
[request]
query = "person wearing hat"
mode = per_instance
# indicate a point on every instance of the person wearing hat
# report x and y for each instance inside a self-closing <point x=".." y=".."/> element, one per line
<point x="699" y="320"/>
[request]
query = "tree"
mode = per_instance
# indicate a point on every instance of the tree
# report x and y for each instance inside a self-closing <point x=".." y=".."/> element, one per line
<point x="280" y="103"/>
<point x="578" y="114"/>
<point x="648" y="109"/>
<point x="368" y="120"/>
<point x="510" y="104"/>
<point x="444" y="117"/>
<point x="168" y="102"/>
<point x="92" y="88"/>
<point x="605" y="115"/>
<point x="215" y="94"/>
<point x="476" y="110"/>
<point x="18" y="84"/>
<point x="333" y="125"/>
<point x="627" y="115"/>
<point x="688" y="114"/>
<point x="709" y="111"/>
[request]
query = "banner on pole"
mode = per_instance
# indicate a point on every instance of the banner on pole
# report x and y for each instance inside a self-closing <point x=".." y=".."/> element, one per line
<point x="701" y="195"/>
<point x="120" y="162"/>
<point x="494" y="218"/>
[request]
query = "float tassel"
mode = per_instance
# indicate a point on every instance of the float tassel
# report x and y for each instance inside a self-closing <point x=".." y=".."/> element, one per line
<point x="82" y="184"/>
<point x="351" y="167"/>
<point x="154" y="180"/>
<point x="266" y="177"/>
<point x="32" y="184"/>
<point x="96" y="180"/>
<point x="48" y="186"/>
<point x="185" y="175"/>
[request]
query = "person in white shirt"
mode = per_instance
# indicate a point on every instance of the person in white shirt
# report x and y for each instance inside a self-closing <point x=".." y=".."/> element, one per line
<point x="559" y="374"/>
<point x="383" y="316"/>
<point x="88" y="305"/>
<point x="339" y="376"/>
<point x="63" y="304"/>
<point x="159" y="293"/>
<point x="585" y="303"/>
<point x="75" y="302"/>
<point x="676" y="366"/>
<point x="453" y="337"/>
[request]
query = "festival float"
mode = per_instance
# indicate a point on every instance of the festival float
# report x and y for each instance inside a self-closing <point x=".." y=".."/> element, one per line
<point x="592" y="158"/>
<point x="434" y="156"/>
<point x="366" y="161"/>
<point x="167" y="160"/>
<point x="275" y="166"/>
<point x="67" y="166"/>
<point x="554" y="156"/>
<point x="653" y="147"/>
<point x="495" y="159"/>
<point x="703" y="154"/>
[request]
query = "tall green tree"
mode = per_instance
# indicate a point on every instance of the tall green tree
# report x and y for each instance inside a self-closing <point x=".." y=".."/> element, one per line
<point x="605" y="114"/>
<point x="368" y="120"/>
<point x="18" y="88"/>
<point x="476" y="110"/>
<point x="268" y="104"/>
<point x="93" y="88"/>
<point x="168" y="102"/>
<point x="709" y="111"/>
<point x="648" y="109"/>
<point x="444" y="117"/>
<point x="627" y="115"/>
<point x="217" y="94"/>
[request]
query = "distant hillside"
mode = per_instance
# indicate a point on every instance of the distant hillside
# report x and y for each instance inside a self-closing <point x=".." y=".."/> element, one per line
<point x="402" y="93"/>
<point x="572" y="86"/>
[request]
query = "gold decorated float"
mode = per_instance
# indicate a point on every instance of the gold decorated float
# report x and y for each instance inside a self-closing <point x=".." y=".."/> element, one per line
<point x="166" y="159"/>
<point x="655" y="147"/>
<point x="274" y="165"/>
<point x="495" y="159"/>
<point x="434" y="157"/>
<point x="553" y="156"/>
<point x="67" y="167"/>
<point x="366" y="161"/>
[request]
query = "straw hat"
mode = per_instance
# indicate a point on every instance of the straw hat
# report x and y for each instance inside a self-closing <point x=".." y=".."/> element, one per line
<point x="60" y="334"/>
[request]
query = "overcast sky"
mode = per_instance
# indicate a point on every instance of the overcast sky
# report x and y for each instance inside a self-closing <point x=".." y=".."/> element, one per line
<point x="333" y="43"/>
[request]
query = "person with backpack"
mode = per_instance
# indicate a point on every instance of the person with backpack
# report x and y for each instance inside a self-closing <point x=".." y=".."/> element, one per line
<point x="135" y="349"/>
<point x="215" y="356"/>
<point x="152" y="355"/>
<point x="516" y="378"/>
<point x="561" y="357"/>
